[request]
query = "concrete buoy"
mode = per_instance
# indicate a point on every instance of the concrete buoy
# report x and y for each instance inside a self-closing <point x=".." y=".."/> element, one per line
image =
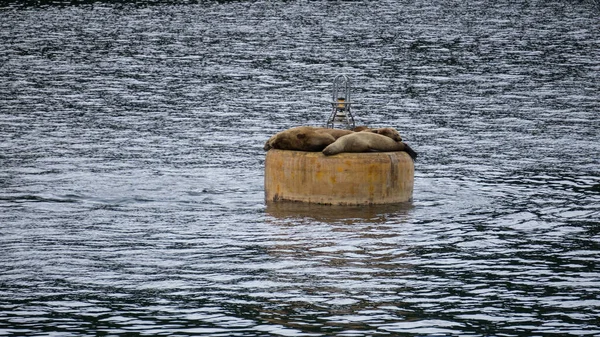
<point x="342" y="179"/>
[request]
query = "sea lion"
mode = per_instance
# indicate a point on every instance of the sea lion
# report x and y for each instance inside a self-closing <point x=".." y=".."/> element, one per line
<point x="361" y="128"/>
<point x="388" y="132"/>
<point x="304" y="138"/>
<point x="367" y="142"/>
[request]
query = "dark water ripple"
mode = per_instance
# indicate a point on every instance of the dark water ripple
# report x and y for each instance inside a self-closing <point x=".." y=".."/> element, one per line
<point x="131" y="193"/>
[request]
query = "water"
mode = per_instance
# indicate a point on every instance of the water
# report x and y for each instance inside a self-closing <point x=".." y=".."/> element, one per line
<point x="131" y="188"/>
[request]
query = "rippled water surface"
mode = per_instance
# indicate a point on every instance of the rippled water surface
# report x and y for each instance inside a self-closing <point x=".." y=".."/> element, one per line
<point x="131" y="180"/>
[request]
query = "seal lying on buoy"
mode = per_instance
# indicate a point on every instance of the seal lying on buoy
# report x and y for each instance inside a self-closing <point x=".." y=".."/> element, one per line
<point x="315" y="139"/>
<point x="304" y="138"/>
<point x="387" y="131"/>
<point x="367" y="142"/>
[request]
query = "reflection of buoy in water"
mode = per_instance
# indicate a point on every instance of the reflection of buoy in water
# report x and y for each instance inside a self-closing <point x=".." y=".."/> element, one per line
<point x="343" y="179"/>
<point x="348" y="214"/>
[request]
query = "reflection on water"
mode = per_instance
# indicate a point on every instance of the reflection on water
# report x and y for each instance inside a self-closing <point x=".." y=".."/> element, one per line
<point x="295" y="211"/>
<point x="131" y="180"/>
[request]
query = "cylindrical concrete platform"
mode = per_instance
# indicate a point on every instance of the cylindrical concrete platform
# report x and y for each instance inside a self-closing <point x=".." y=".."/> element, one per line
<point x="342" y="179"/>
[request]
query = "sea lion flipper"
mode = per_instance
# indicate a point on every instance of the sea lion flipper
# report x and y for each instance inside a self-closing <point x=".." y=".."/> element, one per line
<point x="410" y="152"/>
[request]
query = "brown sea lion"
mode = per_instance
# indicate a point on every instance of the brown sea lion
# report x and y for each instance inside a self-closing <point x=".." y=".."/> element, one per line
<point x="304" y="138"/>
<point x="388" y="132"/>
<point x="361" y="128"/>
<point x="367" y="142"/>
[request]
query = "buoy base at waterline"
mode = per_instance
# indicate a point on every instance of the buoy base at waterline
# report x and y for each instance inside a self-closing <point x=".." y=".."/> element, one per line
<point x="342" y="179"/>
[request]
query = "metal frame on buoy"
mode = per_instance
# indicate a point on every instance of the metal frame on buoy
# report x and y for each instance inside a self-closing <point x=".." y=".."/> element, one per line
<point x="341" y="103"/>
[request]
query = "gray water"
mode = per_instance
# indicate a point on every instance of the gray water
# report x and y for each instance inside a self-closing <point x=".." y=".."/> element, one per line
<point x="131" y="180"/>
